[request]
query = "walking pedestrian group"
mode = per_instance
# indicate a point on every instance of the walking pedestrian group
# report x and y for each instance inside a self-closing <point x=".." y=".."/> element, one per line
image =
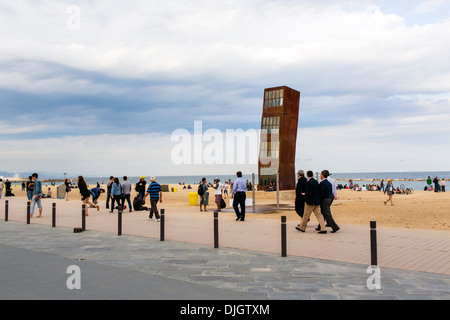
<point x="314" y="197"/>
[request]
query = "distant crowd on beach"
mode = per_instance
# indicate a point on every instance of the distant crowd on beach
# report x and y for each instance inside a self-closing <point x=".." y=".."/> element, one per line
<point x="439" y="186"/>
<point x="366" y="187"/>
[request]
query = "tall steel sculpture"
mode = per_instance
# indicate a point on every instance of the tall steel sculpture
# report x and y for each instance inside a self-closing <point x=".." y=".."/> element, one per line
<point x="279" y="125"/>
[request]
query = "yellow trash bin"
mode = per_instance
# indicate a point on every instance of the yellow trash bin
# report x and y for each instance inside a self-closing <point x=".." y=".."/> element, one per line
<point x="174" y="189"/>
<point x="193" y="199"/>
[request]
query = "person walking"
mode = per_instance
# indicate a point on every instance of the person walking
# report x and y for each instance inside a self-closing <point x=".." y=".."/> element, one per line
<point x="312" y="204"/>
<point x="2" y="186"/>
<point x="333" y="184"/>
<point x="326" y="199"/>
<point x="37" y="195"/>
<point x="155" y="192"/>
<point x="23" y="186"/>
<point x="116" y="194"/>
<point x="126" y="192"/>
<point x="218" y="194"/>
<point x="204" y="194"/>
<point x="108" y="191"/>
<point x="68" y="189"/>
<point x="443" y="185"/>
<point x="140" y="187"/>
<point x="334" y="189"/>
<point x="300" y="193"/>
<point x="86" y="195"/>
<point x="239" y="195"/>
<point x="390" y="191"/>
<point x="382" y="185"/>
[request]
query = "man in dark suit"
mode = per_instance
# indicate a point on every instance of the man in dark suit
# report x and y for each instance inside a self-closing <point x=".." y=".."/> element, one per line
<point x="312" y="199"/>
<point x="326" y="198"/>
<point x="300" y="193"/>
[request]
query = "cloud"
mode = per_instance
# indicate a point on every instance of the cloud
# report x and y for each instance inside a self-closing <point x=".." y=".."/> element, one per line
<point x="154" y="66"/>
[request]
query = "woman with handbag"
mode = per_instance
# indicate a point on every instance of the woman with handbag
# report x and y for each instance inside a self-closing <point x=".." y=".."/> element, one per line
<point x="116" y="194"/>
<point x="390" y="191"/>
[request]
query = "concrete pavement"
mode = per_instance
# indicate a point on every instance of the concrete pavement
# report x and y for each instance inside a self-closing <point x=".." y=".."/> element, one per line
<point x="137" y="265"/>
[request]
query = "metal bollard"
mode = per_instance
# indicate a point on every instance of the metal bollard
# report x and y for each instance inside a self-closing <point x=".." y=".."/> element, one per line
<point x="83" y="217"/>
<point x="54" y="215"/>
<point x="6" y="210"/>
<point x="119" y="223"/>
<point x="216" y="229"/>
<point x="162" y="226"/>
<point x="28" y="212"/>
<point x="373" y="243"/>
<point x="283" y="237"/>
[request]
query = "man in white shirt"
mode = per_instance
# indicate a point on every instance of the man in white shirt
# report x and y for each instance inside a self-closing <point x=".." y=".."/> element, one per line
<point x="334" y="189"/>
<point x="333" y="186"/>
<point x="218" y="193"/>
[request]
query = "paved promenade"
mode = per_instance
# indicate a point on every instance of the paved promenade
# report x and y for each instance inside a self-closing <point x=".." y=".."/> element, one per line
<point x="409" y="249"/>
<point x="247" y="263"/>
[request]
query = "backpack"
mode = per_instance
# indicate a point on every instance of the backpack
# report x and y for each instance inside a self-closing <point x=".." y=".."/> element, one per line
<point x="200" y="190"/>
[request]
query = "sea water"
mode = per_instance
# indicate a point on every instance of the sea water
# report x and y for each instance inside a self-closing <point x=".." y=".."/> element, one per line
<point x="408" y="179"/>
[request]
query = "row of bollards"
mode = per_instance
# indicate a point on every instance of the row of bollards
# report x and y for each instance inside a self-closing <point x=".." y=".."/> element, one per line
<point x="283" y="233"/>
<point x="162" y="223"/>
<point x="373" y="237"/>
<point x="29" y="214"/>
<point x="373" y="228"/>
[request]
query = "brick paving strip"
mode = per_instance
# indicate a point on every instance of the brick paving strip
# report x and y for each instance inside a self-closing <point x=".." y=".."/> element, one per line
<point x="265" y="274"/>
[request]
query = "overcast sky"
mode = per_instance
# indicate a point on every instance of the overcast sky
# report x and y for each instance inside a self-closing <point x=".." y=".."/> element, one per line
<point x="98" y="87"/>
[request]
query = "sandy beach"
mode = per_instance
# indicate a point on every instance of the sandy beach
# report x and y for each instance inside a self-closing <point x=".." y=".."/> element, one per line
<point x="421" y="210"/>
